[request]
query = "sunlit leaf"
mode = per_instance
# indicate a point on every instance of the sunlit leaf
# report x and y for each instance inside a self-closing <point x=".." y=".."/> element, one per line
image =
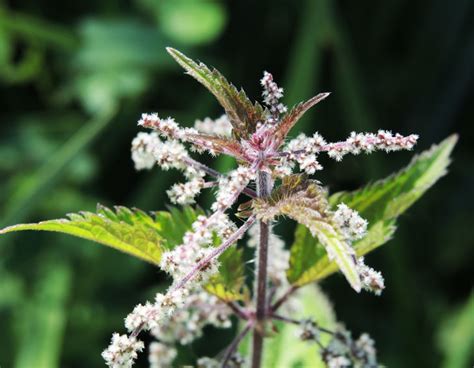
<point x="145" y="236"/>
<point x="380" y="203"/>
<point x="305" y="202"/>
<point x="130" y="231"/>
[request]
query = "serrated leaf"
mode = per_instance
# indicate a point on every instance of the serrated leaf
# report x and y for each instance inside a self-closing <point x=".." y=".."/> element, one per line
<point x="390" y="197"/>
<point x="305" y="202"/>
<point x="242" y="114"/>
<point x="380" y="203"/>
<point x="146" y="237"/>
<point x="130" y="231"/>
<point x="292" y="117"/>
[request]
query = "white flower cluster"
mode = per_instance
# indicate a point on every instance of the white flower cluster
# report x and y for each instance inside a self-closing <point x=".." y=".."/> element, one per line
<point x="185" y="193"/>
<point x="343" y="351"/>
<point x="148" y="316"/>
<point x="148" y="149"/>
<point x="369" y="142"/>
<point x="161" y="355"/>
<point x="230" y="186"/>
<point x="309" y="330"/>
<point x="220" y="126"/>
<point x="365" y="350"/>
<point x="272" y="94"/>
<point x="169" y="129"/>
<point x="143" y="146"/>
<point x="235" y="361"/>
<point x="338" y="352"/>
<point x="371" y="280"/>
<point x="182" y="259"/>
<point x="122" y="351"/>
<point x="206" y="362"/>
<point x="187" y="322"/>
<point x="338" y="361"/>
<point x="352" y="226"/>
<point x="303" y="150"/>
<point x="278" y="256"/>
<point x="177" y="316"/>
<point x="171" y="154"/>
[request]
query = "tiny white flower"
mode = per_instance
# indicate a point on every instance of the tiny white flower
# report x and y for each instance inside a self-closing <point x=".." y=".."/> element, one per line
<point x="161" y="355"/>
<point x="122" y="351"/>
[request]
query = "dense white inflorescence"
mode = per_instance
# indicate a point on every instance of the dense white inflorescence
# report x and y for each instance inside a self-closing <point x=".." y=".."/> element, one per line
<point x="338" y="362"/>
<point x="371" y="280"/>
<point x="352" y="226"/>
<point x="143" y="146"/>
<point x="185" y="193"/>
<point x="220" y="126"/>
<point x="271" y="96"/>
<point x="206" y="362"/>
<point x="122" y="351"/>
<point x="231" y="186"/>
<point x="182" y="259"/>
<point x="180" y="314"/>
<point x="200" y="309"/>
<point x="365" y="350"/>
<point x="161" y="355"/>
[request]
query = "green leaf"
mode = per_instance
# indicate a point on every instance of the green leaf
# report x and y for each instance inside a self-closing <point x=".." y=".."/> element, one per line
<point x="146" y="237"/>
<point x="305" y="202"/>
<point x="130" y="231"/>
<point x="242" y="114"/>
<point x="380" y="203"/>
<point x="456" y="337"/>
<point x="41" y="321"/>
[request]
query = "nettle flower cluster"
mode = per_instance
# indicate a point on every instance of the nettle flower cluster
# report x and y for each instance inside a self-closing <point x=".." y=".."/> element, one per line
<point x="280" y="169"/>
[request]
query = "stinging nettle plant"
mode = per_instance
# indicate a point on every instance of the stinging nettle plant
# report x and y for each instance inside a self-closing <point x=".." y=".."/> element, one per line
<point x="198" y="250"/>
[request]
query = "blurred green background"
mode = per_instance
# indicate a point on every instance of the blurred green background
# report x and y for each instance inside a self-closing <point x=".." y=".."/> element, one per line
<point x="75" y="77"/>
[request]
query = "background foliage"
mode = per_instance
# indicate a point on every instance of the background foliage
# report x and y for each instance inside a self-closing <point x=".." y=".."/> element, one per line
<point x="76" y="76"/>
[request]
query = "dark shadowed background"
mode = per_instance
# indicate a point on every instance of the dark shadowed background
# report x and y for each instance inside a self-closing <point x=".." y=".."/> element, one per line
<point x="75" y="77"/>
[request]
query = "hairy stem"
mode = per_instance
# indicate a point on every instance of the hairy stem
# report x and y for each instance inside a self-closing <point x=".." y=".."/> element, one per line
<point x="215" y="253"/>
<point x="264" y="185"/>
<point x="283" y="299"/>
<point x="235" y="344"/>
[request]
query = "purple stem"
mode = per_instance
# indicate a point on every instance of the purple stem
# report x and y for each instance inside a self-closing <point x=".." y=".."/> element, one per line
<point x="215" y="253"/>
<point x="235" y="344"/>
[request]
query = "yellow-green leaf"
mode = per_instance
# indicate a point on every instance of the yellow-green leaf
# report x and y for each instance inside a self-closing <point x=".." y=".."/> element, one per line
<point x="130" y="231"/>
<point x="380" y="203"/>
<point x="306" y="202"/>
<point x="146" y="237"/>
